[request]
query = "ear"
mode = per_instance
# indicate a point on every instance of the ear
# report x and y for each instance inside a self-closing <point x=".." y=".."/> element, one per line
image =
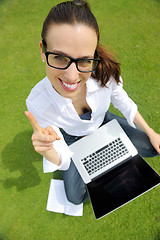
<point x="43" y="56"/>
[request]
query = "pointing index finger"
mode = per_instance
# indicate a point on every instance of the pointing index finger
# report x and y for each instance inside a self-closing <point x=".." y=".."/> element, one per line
<point x="33" y="121"/>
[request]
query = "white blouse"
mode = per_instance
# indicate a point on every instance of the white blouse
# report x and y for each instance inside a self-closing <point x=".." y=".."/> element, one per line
<point x="51" y="109"/>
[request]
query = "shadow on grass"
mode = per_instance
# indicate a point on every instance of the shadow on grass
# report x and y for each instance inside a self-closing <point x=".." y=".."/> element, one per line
<point x="3" y="237"/>
<point x="157" y="237"/>
<point x="18" y="157"/>
<point x="1" y="2"/>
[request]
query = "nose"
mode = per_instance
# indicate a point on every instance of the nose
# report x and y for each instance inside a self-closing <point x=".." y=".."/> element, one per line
<point x="71" y="73"/>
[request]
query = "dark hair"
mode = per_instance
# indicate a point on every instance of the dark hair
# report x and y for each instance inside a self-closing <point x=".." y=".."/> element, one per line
<point x="78" y="11"/>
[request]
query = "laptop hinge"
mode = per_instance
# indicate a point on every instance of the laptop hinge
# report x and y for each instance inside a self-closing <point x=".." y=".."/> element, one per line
<point x="112" y="168"/>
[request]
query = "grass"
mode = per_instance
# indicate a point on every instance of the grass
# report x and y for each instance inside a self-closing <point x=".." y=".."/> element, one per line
<point x="132" y="30"/>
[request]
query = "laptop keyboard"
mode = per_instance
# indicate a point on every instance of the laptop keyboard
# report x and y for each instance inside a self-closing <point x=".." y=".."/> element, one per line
<point x="104" y="156"/>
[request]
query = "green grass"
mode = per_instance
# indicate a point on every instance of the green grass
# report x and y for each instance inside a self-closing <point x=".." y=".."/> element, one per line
<point x="131" y="28"/>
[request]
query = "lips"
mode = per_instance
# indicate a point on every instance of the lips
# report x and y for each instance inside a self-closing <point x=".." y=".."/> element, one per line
<point x="69" y="87"/>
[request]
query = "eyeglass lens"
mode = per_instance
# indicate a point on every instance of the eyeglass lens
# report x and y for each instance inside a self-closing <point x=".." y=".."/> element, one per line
<point x="62" y="62"/>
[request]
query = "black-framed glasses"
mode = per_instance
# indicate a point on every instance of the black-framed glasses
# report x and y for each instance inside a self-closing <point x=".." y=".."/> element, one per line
<point x="60" y="61"/>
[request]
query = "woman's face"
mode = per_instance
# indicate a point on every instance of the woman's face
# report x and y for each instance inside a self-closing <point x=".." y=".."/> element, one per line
<point x="77" y="41"/>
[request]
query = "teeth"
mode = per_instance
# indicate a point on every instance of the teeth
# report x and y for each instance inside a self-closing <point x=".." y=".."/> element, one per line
<point x="70" y="85"/>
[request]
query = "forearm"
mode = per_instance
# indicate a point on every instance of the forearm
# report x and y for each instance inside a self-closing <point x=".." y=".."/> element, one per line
<point x="52" y="156"/>
<point x="141" y="123"/>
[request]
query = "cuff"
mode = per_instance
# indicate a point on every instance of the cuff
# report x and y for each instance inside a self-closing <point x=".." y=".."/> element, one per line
<point x="64" y="153"/>
<point x="51" y="167"/>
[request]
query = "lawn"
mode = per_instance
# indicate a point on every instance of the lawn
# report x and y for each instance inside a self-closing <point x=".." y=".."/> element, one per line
<point x="132" y="29"/>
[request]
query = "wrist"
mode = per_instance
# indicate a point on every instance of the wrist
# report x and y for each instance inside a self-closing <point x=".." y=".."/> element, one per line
<point x="150" y="132"/>
<point x="52" y="156"/>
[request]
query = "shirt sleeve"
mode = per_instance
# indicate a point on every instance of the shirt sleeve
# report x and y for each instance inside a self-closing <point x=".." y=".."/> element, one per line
<point x="123" y="102"/>
<point x="64" y="153"/>
<point x="43" y="122"/>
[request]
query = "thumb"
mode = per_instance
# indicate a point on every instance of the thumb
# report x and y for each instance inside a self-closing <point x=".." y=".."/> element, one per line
<point x="33" y="122"/>
<point x="50" y="131"/>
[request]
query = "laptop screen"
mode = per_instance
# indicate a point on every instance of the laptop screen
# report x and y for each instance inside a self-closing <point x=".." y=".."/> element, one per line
<point x="121" y="185"/>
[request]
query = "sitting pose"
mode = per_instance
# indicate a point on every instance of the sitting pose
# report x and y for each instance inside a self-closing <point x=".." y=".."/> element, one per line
<point x="82" y="80"/>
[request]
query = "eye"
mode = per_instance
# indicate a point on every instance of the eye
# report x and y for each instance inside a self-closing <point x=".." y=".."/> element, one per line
<point x="58" y="61"/>
<point x="60" y="58"/>
<point x="85" y="61"/>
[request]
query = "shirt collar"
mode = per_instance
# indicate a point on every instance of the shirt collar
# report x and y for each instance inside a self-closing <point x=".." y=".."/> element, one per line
<point x="62" y="102"/>
<point x="55" y="97"/>
<point x="92" y="85"/>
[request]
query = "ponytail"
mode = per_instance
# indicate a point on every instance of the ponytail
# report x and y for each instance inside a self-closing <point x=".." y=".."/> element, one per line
<point x="108" y="67"/>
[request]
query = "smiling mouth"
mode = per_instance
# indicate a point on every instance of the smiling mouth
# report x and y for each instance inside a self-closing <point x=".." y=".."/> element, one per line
<point x="69" y="87"/>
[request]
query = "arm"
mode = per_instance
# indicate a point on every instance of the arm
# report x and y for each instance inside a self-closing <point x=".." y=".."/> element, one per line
<point x="153" y="136"/>
<point x="42" y="140"/>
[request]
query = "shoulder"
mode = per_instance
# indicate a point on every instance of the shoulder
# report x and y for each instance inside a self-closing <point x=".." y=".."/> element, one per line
<point x="95" y="85"/>
<point x="38" y="97"/>
<point x="113" y="83"/>
<point x="38" y="88"/>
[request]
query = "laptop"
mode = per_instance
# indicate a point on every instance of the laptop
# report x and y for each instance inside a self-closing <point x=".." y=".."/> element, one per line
<point x="111" y="168"/>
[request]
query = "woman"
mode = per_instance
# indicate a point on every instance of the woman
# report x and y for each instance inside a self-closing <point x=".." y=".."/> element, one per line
<point x="82" y="80"/>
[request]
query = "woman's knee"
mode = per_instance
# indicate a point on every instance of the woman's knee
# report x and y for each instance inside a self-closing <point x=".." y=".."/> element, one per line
<point x="73" y="198"/>
<point x="75" y="188"/>
<point x="76" y="197"/>
<point x="142" y="143"/>
<point x="139" y="138"/>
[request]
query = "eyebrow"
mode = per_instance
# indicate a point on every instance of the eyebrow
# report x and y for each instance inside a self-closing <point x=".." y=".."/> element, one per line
<point x="59" y="52"/>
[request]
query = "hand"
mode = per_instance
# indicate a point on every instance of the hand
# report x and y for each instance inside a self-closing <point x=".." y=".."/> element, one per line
<point x="155" y="140"/>
<point x="153" y="136"/>
<point x="42" y="139"/>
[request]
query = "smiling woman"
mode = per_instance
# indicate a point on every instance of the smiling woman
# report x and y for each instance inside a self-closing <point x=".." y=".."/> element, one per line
<point x="82" y="80"/>
<point x="69" y="43"/>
